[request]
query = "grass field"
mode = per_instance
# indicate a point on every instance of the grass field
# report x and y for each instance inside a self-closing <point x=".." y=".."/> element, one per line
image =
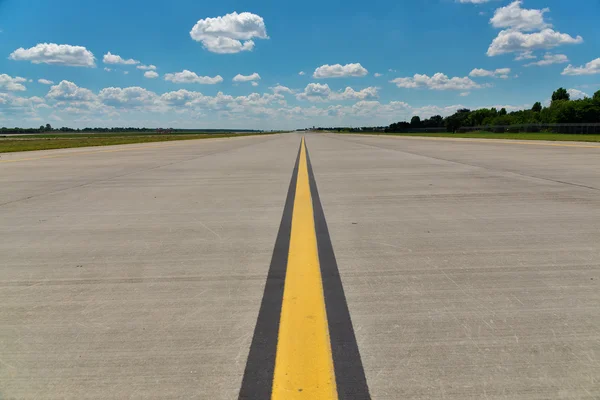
<point x="63" y="141"/>
<point x="491" y="135"/>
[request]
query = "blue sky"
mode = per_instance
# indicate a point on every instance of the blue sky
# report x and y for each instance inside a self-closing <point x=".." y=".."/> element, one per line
<point x="234" y="64"/>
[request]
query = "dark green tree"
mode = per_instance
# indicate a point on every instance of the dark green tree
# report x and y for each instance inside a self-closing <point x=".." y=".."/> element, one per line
<point x="561" y="94"/>
<point x="415" y="122"/>
<point x="597" y="96"/>
<point x="454" y="122"/>
<point x="48" y="127"/>
<point x="537" y="107"/>
<point x="502" y="112"/>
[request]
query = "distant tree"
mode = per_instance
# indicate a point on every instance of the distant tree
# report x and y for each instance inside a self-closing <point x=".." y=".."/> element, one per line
<point x="415" y="122"/>
<point x="537" y="107"/>
<point x="455" y="121"/>
<point x="48" y="127"/>
<point x="597" y="96"/>
<point x="42" y="128"/>
<point x="437" y="121"/>
<point x="502" y="112"/>
<point x="561" y="94"/>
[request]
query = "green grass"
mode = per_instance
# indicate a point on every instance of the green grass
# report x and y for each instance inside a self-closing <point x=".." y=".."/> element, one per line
<point x="491" y="135"/>
<point x="47" y="142"/>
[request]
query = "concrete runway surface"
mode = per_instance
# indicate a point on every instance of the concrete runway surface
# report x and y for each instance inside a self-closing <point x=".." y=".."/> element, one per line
<point x="471" y="268"/>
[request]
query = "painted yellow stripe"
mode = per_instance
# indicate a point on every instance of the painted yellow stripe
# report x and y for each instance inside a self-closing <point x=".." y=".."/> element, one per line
<point x="303" y="364"/>
<point x="488" y="141"/>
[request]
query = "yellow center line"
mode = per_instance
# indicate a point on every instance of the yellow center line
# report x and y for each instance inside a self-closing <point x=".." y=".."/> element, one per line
<point x="488" y="141"/>
<point x="304" y="363"/>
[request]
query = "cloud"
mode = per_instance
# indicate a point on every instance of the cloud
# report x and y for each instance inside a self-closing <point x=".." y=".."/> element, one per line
<point x="464" y="94"/>
<point x="45" y="82"/>
<point x="224" y="35"/>
<point x="246" y="78"/>
<point x="377" y="75"/>
<point x="473" y="1"/>
<point x="301" y="73"/>
<point x="147" y="67"/>
<point x="591" y="68"/>
<point x="317" y="92"/>
<point x="514" y="17"/>
<point x="150" y="74"/>
<point x="68" y="91"/>
<point x="501" y="73"/>
<point x="56" y="54"/>
<point x="577" y="94"/>
<point x="130" y="97"/>
<point x="7" y="82"/>
<point x="550" y="59"/>
<point x="125" y="72"/>
<point x="254" y="83"/>
<point x="279" y="89"/>
<point x="438" y="81"/>
<point x="526" y="55"/>
<point x="351" y="94"/>
<point x="107" y="69"/>
<point x="340" y="71"/>
<point x="509" y="41"/>
<point x="24" y="107"/>
<point x="115" y="59"/>
<point x="186" y="76"/>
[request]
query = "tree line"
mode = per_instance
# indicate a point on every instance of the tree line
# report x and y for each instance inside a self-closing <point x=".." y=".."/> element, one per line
<point x="562" y="110"/>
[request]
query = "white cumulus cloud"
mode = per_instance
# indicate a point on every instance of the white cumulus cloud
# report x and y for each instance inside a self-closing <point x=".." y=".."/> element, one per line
<point x="514" y="17"/>
<point x="186" y="76"/>
<point x="130" y="97"/>
<point x="56" y="54"/>
<point x="526" y="55"/>
<point x="550" y="59"/>
<point x="301" y="73"/>
<point x="577" y="94"/>
<point x="147" y="67"/>
<point x="115" y="59"/>
<point x="279" y="89"/>
<point x="501" y="73"/>
<point x="150" y="74"/>
<point x="246" y="78"/>
<point x="45" y="82"/>
<point x="473" y="1"/>
<point x="68" y="91"/>
<point x="591" y="68"/>
<point x="317" y="92"/>
<point x="510" y="41"/>
<point x="7" y="82"/>
<point x="438" y="81"/>
<point x="340" y="71"/>
<point x="231" y="33"/>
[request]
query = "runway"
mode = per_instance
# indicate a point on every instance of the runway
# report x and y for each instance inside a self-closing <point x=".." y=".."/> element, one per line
<point x="451" y="268"/>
